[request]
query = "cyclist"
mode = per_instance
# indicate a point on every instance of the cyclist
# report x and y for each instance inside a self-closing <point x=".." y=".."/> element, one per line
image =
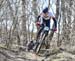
<point x="46" y="16"/>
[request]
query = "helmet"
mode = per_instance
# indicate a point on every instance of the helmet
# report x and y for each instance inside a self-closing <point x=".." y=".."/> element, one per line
<point x="45" y="10"/>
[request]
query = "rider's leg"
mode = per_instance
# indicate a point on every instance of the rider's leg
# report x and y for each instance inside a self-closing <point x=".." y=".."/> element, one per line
<point x="47" y="45"/>
<point x="48" y="25"/>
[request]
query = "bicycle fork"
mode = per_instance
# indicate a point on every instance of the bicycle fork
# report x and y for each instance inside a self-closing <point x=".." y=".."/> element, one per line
<point x="42" y="40"/>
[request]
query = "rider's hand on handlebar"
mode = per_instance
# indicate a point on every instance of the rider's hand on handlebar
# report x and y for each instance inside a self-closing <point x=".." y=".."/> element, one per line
<point x="38" y="24"/>
<point x="55" y="29"/>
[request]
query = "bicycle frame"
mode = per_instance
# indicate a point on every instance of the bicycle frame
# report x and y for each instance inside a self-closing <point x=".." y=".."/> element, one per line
<point x="42" y="39"/>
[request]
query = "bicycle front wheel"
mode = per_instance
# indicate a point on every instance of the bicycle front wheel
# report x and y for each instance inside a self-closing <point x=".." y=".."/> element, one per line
<point x="40" y="44"/>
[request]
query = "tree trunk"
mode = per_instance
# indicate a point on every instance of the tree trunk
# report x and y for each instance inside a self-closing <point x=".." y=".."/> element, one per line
<point x="24" y="19"/>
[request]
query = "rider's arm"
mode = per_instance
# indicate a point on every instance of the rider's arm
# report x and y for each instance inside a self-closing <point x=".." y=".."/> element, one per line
<point x="53" y="17"/>
<point x="55" y="22"/>
<point x="38" y="21"/>
<point x="39" y="16"/>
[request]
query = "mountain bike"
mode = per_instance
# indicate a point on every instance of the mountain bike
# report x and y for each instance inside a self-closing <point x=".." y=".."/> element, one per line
<point x="41" y="40"/>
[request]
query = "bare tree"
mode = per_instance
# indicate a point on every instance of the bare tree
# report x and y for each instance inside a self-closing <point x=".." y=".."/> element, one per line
<point x="24" y="18"/>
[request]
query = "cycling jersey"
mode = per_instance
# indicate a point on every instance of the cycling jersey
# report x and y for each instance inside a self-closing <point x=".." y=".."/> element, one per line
<point x="46" y="19"/>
